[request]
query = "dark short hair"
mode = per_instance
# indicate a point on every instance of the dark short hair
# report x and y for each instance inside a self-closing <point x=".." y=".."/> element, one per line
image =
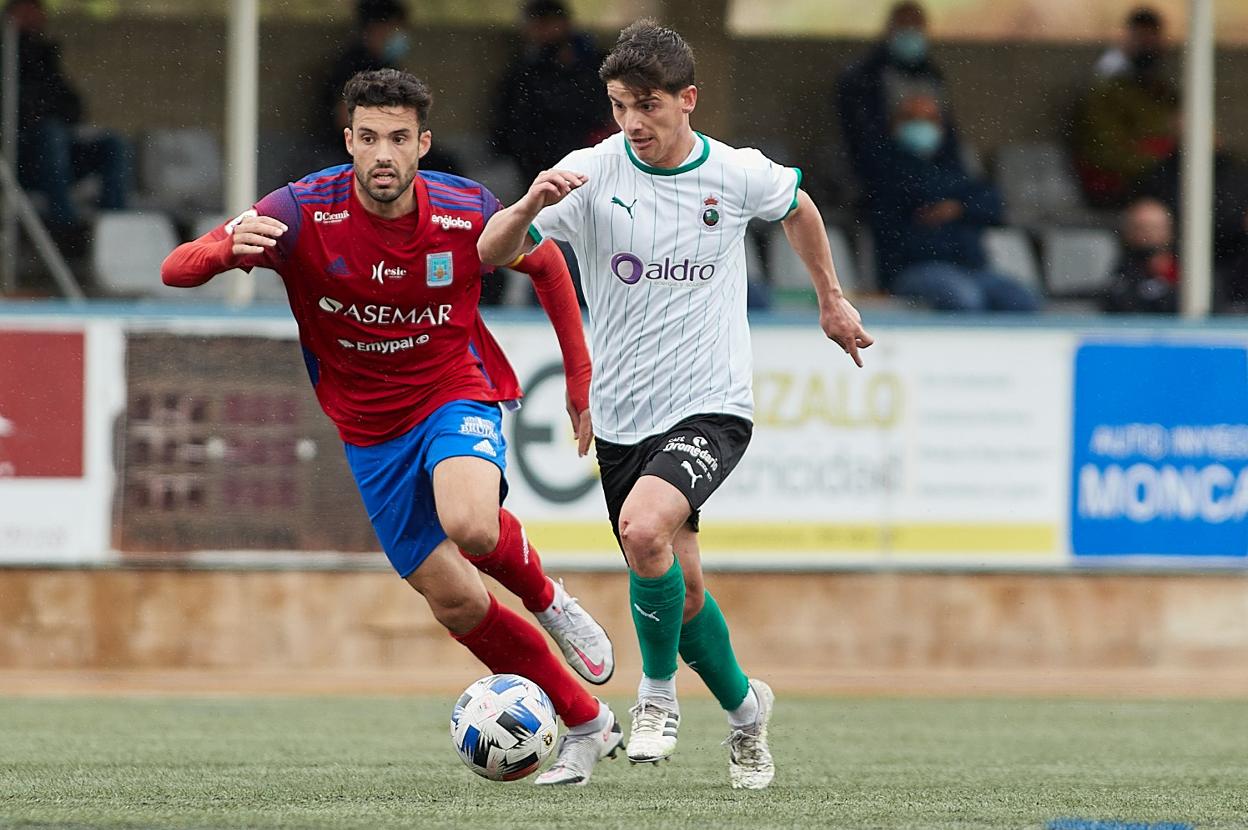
<point x="647" y="57"/>
<point x="906" y="6"/>
<point x="1144" y="17"/>
<point x="545" y="9"/>
<point x="389" y="88"/>
<point x="379" y="11"/>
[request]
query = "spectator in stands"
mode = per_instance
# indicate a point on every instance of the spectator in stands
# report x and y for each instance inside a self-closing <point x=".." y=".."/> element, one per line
<point x="55" y="150"/>
<point x="1146" y="280"/>
<point x="869" y="92"/>
<point x="1126" y="123"/>
<point x="549" y="101"/>
<point x="928" y="216"/>
<point x="380" y="41"/>
<point x="1143" y="31"/>
<point x="1230" y="217"/>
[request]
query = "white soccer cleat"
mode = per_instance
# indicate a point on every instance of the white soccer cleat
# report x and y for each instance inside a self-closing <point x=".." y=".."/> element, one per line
<point x="584" y="643"/>
<point x="653" y="736"/>
<point x="576" y="755"/>
<point x="749" y="760"/>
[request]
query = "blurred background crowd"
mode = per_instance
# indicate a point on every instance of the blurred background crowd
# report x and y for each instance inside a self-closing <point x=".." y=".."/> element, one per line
<point x="1059" y="191"/>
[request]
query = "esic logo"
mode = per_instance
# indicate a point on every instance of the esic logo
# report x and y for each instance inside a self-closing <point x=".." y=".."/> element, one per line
<point x="331" y="218"/>
<point x="388" y="315"/>
<point x="381" y="273"/>
<point x="448" y="222"/>
<point x="630" y="269"/>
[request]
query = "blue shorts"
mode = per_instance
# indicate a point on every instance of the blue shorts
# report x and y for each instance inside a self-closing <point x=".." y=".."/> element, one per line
<point x="396" y="477"/>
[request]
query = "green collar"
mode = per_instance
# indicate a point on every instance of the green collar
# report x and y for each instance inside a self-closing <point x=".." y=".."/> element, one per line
<point x="670" y="171"/>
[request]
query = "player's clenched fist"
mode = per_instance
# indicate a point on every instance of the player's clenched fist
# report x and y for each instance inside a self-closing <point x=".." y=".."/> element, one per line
<point x="551" y="186"/>
<point x="253" y="234"/>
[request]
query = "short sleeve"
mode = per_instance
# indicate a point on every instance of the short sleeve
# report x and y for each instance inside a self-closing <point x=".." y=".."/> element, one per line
<point x="490" y="205"/>
<point x="772" y="188"/>
<point x="563" y="220"/>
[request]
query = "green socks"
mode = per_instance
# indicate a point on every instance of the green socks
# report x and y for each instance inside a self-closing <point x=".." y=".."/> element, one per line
<point x="657" y="606"/>
<point x="706" y="648"/>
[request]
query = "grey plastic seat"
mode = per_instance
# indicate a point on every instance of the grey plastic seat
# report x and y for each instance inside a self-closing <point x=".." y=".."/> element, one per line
<point x="790" y="281"/>
<point x="1010" y="252"/>
<point x="1038" y="183"/>
<point x="1078" y="262"/>
<point x="127" y="250"/>
<point x="181" y="169"/>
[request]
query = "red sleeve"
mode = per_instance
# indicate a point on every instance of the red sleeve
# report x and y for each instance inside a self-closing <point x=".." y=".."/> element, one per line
<point x="195" y="262"/>
<point x="552" y="282"/>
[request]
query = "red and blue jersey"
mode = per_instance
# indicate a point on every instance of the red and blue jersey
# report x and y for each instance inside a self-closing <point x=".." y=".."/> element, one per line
<point x="387" y="308"/>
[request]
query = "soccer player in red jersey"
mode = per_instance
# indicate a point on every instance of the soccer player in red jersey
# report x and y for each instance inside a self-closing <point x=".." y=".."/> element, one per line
<point x="380" y="265"/>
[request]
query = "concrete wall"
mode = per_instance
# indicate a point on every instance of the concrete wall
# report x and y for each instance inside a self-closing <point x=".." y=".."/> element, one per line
<point x="827" y="632"/>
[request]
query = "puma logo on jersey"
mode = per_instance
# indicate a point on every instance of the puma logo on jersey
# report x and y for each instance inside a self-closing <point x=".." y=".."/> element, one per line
<point x="615" y="200"/>
<point x="693" y="477"/>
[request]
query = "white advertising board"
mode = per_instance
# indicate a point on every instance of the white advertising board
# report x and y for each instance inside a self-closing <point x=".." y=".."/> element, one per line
<point x="949" y="444"/>
<point x="62" y="386"/>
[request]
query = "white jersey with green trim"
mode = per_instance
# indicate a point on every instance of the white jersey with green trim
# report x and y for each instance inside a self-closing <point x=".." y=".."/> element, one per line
<point x="662" y="259"/>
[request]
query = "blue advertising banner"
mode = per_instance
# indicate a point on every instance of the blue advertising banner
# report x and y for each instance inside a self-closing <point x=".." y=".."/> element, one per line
<point x="1160" y="450"/>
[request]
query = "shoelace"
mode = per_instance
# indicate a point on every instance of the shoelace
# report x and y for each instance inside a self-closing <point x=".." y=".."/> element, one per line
<point x="567" y="622"/>
<point x="648" y="716"/>
<point x="744" y="748"/>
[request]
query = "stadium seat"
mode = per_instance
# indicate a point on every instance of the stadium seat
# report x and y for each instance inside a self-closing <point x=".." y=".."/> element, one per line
<point x="1037" y="183"/>
<point x="1078" y="262"/>
<point x="127" y="250"/>
<point x="1010" y="251"/>
<point x="790" y="282"/>
<point x="284" y="156"/>
<point x="180" y="170"/>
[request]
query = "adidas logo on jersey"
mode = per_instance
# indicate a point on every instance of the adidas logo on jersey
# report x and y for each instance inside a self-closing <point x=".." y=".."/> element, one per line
<point x="486" y="447"/>
<point x="448" y="222"/>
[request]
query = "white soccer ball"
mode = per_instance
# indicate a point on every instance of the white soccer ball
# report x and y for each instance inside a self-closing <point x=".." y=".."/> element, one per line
<point x="503" y="727"/>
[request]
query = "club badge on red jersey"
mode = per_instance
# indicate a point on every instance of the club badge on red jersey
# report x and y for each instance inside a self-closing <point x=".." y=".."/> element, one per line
<point x="439" y="269"/>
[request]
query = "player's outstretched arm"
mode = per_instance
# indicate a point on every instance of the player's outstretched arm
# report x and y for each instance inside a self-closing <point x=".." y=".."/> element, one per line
<point x="506" y="234"/>
<point x="237" y="243"/>
<point x="548" y="270"/>
<point x="838" y="318"/>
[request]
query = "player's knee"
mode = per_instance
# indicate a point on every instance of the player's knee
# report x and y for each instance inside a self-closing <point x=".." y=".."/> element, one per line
<point x="476" y="536"/>
<point x="460" y="612"/>
<point x="643" y="542"/>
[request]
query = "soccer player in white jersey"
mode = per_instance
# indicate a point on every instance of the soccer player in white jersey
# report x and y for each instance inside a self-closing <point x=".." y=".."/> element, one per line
<point x="656" y="215"/>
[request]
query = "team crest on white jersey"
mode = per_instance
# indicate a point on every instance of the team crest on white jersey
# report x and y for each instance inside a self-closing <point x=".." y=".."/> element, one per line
<point x="439" y="269"/>
<point x="710" y="211"/>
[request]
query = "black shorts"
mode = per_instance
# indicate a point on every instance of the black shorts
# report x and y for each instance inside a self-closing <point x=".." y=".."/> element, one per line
<point x="695" y="457"/>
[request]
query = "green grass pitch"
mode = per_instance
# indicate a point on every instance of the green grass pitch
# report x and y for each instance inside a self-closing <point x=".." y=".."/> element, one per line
<point x="388" y="763"/>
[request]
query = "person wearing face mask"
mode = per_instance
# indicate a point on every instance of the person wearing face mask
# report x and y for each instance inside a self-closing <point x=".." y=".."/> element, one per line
<point x="381" y="40"/>
<point x="1125" y="124"/>
<point x="928" y="216"/>
<point x="1146" y="279"/>
<point x="553" y="82"/>
<point x="869" y="91"/>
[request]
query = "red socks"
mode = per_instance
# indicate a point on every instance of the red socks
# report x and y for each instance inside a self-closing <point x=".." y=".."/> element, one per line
<point x="509" y="644"/>
<point x="516" y="565"/>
